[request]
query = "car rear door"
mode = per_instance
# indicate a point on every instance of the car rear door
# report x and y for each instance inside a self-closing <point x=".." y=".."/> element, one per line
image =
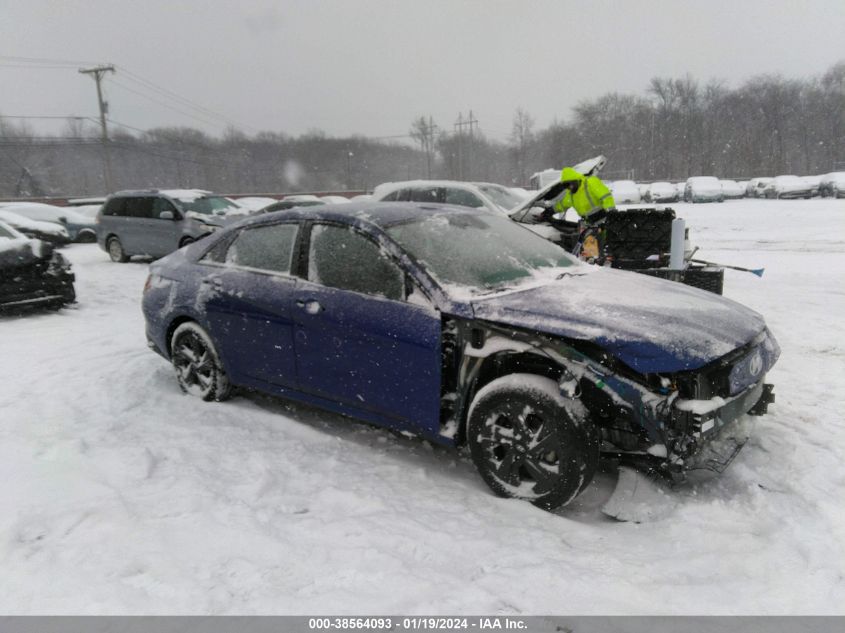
<point x="248" y="295"/>
<point x="140" y="225"/>
<point x="358" y="341"/>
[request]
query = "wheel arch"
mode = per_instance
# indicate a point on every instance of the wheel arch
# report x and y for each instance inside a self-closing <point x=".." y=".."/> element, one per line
<point x="501" y="364"/>
<point x="171" y="328"/>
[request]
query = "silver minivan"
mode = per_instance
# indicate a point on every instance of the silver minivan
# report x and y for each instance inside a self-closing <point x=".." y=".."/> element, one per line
<point x="157" y="222"/>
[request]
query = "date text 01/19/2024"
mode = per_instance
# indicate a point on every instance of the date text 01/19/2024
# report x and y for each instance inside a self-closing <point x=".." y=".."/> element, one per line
<point x="419" y="623"/>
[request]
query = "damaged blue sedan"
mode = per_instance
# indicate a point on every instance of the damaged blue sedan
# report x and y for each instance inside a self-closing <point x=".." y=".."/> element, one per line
<point x="467" y="329"/>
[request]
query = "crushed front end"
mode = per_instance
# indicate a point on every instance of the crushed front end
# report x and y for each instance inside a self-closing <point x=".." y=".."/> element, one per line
<point x="691" y="420"/>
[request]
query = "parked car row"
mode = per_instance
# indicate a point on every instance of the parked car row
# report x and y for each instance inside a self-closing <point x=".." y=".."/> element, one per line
<point x="711" y="189"/>
<point x="79" y="227"/>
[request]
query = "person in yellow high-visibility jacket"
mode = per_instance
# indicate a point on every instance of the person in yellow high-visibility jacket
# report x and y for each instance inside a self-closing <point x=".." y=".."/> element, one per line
<point x="590" y="198"/>
<point x="585" y="194"/>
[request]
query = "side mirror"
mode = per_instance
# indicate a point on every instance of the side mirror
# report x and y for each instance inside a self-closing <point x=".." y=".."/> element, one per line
<point x="166" y="215"/>
<point x="63" y="220"/>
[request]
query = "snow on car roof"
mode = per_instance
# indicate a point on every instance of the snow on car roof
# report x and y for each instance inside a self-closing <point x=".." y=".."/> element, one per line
<point x="703" y="179"/>
<point x="186" y="195"/>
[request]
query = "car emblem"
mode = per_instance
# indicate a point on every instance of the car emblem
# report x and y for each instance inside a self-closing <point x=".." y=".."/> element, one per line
<point x="756" y="364"/>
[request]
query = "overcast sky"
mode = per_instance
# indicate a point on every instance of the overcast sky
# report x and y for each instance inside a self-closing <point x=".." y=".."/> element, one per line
<point x="370" y="66"/>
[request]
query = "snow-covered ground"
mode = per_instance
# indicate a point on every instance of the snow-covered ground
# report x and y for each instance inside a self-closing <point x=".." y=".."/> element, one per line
<point x="120" y="494"/>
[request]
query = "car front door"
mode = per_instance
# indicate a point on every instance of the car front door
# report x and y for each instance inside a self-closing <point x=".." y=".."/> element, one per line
<point x="358" y="341"/>
<point x="248" y="295"/>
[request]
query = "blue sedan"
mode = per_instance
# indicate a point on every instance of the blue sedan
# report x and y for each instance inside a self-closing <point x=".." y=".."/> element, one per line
<point x="465" y="328"/>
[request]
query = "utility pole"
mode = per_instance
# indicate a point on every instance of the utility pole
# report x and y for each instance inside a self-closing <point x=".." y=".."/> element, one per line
<point x="470" y="121"/>
<point x="459" y="133"/>
<point x="430" y="131"/>
<point x="97" y="73"/>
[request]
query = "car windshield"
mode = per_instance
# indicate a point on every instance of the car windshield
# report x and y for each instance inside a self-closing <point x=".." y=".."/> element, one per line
<point x="6" y="234"/>
<point x="209" y="205"/>
<point x="501" y="196"/>
<point x="482" y="252"/>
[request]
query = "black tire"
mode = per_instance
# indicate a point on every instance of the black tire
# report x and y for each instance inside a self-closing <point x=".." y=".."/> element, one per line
<point x="529" y="442"/>
<point x="199" y="371"/>
<point x="185" y="241"/>
<point x="115" y="250"/>
<point x="86" y="237"/>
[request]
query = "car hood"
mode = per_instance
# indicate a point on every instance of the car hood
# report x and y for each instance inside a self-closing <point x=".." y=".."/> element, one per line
<point x="650" y="324"/>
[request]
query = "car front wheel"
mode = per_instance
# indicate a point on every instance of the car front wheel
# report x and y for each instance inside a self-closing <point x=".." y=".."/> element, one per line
<point x="199" y="371"/>
<point x="529" y="442"/>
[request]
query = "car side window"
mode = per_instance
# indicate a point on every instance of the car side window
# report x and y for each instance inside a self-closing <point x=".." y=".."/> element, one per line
<point x="427" y="194"/>
<point x="463" y="198"/>
<point x="115" y="206"/>
<point x="264" y="248"/>
<point x="160" y="205"/>
<point x="341" y="258"/>
<point x="139" y="208"/>
<point x="393" y="196"/>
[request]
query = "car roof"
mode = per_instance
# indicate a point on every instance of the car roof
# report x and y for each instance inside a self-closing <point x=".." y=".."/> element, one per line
<point x="380" y="214"/>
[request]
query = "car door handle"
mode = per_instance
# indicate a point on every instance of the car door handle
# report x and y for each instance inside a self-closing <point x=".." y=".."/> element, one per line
<point x="311" y="306"/>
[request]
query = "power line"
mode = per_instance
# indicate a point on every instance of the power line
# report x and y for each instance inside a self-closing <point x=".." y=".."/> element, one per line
<point x="172" y="95"/>
<point x="164" y="104"/>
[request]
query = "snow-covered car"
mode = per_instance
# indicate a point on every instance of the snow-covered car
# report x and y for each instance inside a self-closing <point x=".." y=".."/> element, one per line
<point x="541" y="179"/>
<point x="832" y="185"/>
<point x="535" y="361"/>
<point x="814" y="182"/>
<point x="88" y="210"/>
<point x="703" y="189"/>
<point x="755" y="187"/>
<point x="732" y="190"/>
<point x="661" y="192"/>
<point x="625" y="192"/>
<point x="788" y="187"/>
<point x="32" y="273"/>
<point x="80" y="228"/>
<point x="254" y="203"/>
<point x="289" y="202"/>
<point x="86" y="202"/>
<point x="155" y="222"/>
<point x="46" y="231"/>
<point x="477" y="195"/>
<point x="334" y="199"/>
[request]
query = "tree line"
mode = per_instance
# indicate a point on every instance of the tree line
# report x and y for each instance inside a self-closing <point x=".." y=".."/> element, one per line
<point x="679" y="127"/>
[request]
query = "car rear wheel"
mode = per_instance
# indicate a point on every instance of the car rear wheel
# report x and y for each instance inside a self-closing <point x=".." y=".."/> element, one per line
<point x="529" y="442"/>
<point x="116" y="252"/>
<point x="199" y="371"/>
<point x="185" y="241"/>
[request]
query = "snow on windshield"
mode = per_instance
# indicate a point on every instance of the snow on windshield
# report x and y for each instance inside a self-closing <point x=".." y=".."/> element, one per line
<point x="477" y="252"/>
